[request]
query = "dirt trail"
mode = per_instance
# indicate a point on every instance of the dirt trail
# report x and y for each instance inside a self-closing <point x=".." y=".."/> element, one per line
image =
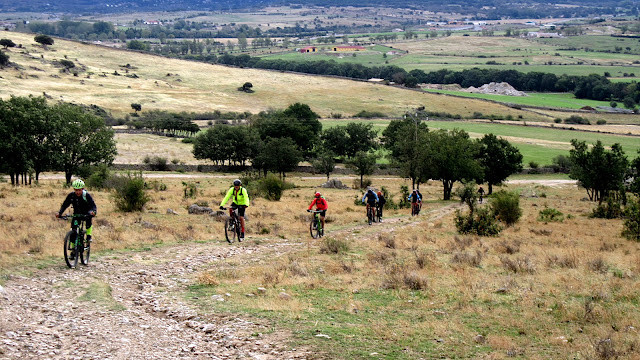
<point x="44" y="316"/>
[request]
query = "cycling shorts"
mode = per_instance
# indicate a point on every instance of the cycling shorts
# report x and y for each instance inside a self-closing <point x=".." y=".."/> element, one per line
<point x="240" y="208"/>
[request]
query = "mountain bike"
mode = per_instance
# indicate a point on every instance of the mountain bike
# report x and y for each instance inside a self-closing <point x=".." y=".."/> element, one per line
<point x="232" y="227"/>
<point x="415" y="208"/>
<point x="378" y="213"/>
<point x="370" y="215"/>
<point x="74" y="240"/>
<point x="315" y="227"/>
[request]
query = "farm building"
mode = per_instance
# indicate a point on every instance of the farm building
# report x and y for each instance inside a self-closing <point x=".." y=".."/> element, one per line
<point x="308" y="49"/>
<point x="348" y="48"/>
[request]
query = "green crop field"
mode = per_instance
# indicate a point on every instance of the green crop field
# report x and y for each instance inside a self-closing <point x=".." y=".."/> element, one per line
<point x="558" y="100"/>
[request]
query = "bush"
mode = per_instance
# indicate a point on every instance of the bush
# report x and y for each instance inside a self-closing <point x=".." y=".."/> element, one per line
<point x="4" y="59"/>
<point x="550" y="215"/>
<point x="272" y="187"/>
<point x="99" y="177"/>
<point x="482" y="222"/>
<point x="333" y="246"/>
<point x="158" y="163"/>
<point x="610" y="209"/>
<point x="631" y="228"/>
<point x="190" y="190"/>
<point x="575" y="119"/>
<point x="506" y="206"/>
<point x="601" y="122"/>
<point x="369" y="114"/>
<point x="129" y="193"/>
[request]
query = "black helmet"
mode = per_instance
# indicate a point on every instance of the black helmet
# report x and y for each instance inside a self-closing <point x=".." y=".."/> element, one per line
<point x="237" y="182"/>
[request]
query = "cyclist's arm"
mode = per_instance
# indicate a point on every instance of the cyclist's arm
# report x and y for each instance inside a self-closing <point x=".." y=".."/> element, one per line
<point x="364" y="197"/>
<point x="246" y="194"/>
<point x="92" y="205"/>
<point x="227" y="197"/>
<point x="312" y="203"/>
<point x="65" y="204"/>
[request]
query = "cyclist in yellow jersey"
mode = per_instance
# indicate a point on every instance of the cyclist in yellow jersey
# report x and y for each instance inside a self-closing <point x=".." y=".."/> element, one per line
<point x="240" y="201"/>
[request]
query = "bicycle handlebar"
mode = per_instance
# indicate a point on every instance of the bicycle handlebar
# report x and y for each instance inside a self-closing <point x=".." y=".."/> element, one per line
<point x="75" y="216"/>
<point x="315" y="211"/>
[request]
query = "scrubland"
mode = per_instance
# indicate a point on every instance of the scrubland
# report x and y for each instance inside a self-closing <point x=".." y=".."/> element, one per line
<point x="406" y="288"/>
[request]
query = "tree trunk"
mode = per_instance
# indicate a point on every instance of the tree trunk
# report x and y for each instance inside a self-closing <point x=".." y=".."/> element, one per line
<point x="361" y="176"/>
<point x="490" y="189"/>
<point x="67" y="176"/>
<point x="327" y="177"/>
<point x="13" y="180"/>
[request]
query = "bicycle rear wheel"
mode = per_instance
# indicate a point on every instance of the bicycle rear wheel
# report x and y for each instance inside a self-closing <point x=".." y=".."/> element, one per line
<point x="378" y="215"/>
<point x="86" y="251"/>
<point x="230" y="230"/>
<point x="70" y="256"/>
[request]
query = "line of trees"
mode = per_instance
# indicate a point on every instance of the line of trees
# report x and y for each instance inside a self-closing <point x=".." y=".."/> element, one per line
<point x="37" y="137"/>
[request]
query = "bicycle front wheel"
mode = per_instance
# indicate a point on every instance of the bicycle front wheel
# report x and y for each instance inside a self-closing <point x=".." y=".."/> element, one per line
<point x="314" y="229"/>
<point x="369" y="216"/>
<point x="86" y="251"/>
<point x="378" y="216"/>
<point x="230" y="230"/>
<point x="70" y="256"/>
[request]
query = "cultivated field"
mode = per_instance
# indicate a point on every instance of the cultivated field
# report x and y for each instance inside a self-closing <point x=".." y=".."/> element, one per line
<point x="407" y="288"/>
<point x="176" y="85"/>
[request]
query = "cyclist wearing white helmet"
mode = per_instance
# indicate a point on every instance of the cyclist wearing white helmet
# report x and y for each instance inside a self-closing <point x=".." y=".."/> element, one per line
<point x="240" y="201"/>
<point x="82" y="204"/>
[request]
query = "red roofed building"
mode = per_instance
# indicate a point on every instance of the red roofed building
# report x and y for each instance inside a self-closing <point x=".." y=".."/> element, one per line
<point x="308" y="49"/>
<point x="348" y="48"/>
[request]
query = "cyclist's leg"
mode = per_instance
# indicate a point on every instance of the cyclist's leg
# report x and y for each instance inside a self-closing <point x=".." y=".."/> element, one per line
<point x="322" y="215"/>
<point x="89" y="226"/>
<point x="241" y="216"/>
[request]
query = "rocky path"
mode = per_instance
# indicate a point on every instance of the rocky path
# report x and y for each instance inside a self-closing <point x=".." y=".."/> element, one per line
<point x="49" y="316"/>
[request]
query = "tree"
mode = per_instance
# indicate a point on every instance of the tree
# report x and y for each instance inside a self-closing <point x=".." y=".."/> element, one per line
<point x="279" y="155"/>
<point x="137" y="45"/>
<point x="136" y="107"/>
<point x="16" y="119"/>
<point x="83" y="140"/>
<point x="599" y="171"/>
<point x="7" y="43"/>
<point x="362" y="138"/>
<point x="246" y="87"/>
<point x="4" y="59"/>
<point x="43" y="39"/>
<point x="635" y="173"/>
<point x="449" y="156"/>
<point x="324" y="162"/>
<point x="364" y="163"/>
<point x="403" y="139"/>
<point x="297" y="122"/>
<point x="335" y="139"/>
<point x="499" y="159"/>
<point x="242" y="41"/>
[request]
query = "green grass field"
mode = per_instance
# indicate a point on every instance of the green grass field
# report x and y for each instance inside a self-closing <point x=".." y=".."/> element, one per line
<point x="557" y="100"/>
<point x="536" y="144"/>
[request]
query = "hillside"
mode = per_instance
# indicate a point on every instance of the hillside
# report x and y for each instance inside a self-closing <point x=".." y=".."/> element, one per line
<point x="114" y="79"/>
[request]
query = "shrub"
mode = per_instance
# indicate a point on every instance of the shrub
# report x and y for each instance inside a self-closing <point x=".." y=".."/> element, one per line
<point x="482" y="222"/>
<point x="272" y="187"/>
<point x="370" y="114"/>
<point x="631" y="228"/>
<point x="99" y="177"/>
<point x="129" y="192"/>
<point x="330" y="245"/>
<point x="575" y="119"/>
<point x="609" y="209"/>
<point x="506" y="206"/>
<point x="190" y="190"/>
<point x="550" y="215"/>
<point x="158" y="163"/>
<point x="601" y="122"/>
<point x="4" y="59"/>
